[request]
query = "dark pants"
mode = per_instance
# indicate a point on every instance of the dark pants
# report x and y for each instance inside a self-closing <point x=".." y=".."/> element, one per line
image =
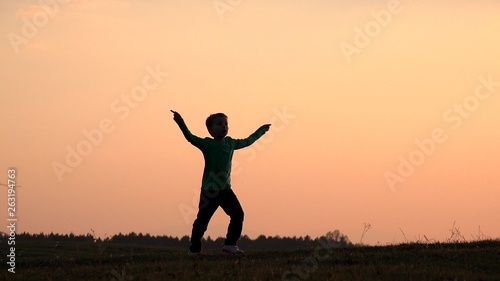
<point x="209" y="202"/>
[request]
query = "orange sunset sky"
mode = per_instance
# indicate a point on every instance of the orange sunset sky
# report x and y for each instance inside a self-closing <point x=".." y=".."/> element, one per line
<point x="382" y="112"/>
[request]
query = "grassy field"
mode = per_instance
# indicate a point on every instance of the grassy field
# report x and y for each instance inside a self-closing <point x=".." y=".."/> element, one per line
<point x="106" y="261"/>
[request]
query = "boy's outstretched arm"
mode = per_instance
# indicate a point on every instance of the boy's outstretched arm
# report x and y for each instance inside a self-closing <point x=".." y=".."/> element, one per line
<point x="196" y="141"/>
<point x="241" y="143"/>
<point x="265" y="127"/>
<point x="177" y="116"/>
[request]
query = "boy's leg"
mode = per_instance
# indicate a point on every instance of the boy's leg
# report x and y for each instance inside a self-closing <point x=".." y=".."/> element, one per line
<point x="232" y="207"/>
<point x="209" y="202"/>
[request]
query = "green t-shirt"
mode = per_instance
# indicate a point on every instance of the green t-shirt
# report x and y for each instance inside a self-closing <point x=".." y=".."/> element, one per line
<point x="218" y="156"/>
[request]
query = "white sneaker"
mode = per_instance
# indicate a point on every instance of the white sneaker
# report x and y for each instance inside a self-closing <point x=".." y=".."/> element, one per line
<point x="232" y="249"/>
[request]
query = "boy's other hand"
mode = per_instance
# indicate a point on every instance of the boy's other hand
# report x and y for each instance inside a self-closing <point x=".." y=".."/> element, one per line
<point x="265" y="127"/>
<point x="177" y="116"/>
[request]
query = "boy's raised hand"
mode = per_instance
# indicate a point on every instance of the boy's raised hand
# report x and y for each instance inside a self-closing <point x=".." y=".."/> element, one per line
<point x="177" y="116"/>
<point x="265" y="127"/>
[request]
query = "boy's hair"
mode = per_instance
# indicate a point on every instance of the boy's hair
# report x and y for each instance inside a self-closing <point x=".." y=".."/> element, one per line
<point x="211" y="118"/>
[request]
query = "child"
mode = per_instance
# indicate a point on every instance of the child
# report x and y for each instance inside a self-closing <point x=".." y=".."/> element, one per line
<point x="216" y="181"/>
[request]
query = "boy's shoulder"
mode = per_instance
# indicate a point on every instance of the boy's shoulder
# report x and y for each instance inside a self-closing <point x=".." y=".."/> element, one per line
<point x="227" y="141"/>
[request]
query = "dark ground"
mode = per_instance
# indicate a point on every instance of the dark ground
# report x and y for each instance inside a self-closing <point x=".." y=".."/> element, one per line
<point x="48" y="260"/>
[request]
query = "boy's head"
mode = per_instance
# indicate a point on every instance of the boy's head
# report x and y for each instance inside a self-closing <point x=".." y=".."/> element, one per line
<point x="217" y="125"/>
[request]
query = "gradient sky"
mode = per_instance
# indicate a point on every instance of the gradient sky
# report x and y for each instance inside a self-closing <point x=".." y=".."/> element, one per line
<point x="383" y="112"/>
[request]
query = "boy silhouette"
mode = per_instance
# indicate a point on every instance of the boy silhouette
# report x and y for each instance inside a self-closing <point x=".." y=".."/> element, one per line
<point x="216" y="181"/>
